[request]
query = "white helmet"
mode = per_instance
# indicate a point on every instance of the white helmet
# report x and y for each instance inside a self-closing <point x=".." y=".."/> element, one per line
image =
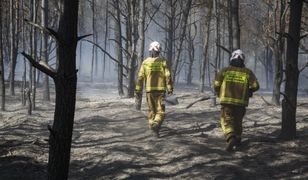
<point x="238" y="54"/>
<point x="155" y="46"/>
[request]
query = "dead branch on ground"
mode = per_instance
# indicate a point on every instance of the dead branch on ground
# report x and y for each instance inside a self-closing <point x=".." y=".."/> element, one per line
<point x="198" y="100"/>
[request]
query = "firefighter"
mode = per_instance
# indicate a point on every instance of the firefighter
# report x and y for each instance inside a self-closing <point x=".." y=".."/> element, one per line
<point x="155" y="73"/>
<point x="234" y="85"/>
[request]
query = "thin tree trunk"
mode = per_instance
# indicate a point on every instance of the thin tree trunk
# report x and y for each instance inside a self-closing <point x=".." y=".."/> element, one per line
<point x="13" y="55"/>
<point x="289" y="103"/>
<point x="44" y="16"/>
<point x="182" y="36"/>
<point x="279" y="50"/>
<point x="140" y="43"/>
<point x="2" y="84"/>
<point x="94" y="40"/>
<point x="118" y="37"/>
<point x="230" y="31"/>
<point x="235" y="24"/>
<point x="24" y="77"/>
<point x="170" y="34"/>
<point x="132" y="32"/>
<point x="217" y="14"/>
<point x="105" y="39"/>
<point x="34" y="54"/>
<point x="205" y="60"/>
<point x="191" y="53"/>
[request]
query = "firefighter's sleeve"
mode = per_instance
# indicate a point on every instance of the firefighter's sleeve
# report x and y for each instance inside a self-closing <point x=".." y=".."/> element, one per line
<point x="217" y="82"/>
<point x="168" y="77"/>
<point x="253" y="82"/>
<point x="140" y="79"/>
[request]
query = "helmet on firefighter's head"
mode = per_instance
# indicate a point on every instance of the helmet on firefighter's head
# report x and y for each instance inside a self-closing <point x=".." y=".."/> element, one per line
<point x="155" y="46"/>
<point x="237" y="54"/>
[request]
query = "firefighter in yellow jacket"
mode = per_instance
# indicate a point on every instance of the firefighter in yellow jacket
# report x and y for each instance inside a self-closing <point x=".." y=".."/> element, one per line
<point x="155" y="73"/>
<point x="234" y="85"/>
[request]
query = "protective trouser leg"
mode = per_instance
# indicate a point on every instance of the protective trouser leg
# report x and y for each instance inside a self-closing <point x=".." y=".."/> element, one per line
<point x="156" y="111"/>
<point x="231" y="121"/>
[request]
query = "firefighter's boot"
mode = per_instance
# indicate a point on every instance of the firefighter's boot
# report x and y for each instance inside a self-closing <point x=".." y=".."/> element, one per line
<point x="155" y="129"/>
<point x="232" y="141"/>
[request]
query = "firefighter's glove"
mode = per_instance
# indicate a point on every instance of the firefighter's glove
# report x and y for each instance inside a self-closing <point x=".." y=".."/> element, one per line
<point x="250" y="92"/>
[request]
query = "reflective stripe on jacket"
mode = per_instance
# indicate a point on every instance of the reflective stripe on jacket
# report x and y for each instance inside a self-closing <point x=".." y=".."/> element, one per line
<point x="156" y="74"/>
<point x="232" y="84"/>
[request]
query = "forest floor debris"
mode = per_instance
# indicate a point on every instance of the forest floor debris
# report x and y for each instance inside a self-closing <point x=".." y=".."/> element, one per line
<point x="111" y="140"/>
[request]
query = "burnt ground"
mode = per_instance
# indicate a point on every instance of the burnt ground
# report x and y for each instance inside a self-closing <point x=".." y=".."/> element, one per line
<point x="111" y="140"/>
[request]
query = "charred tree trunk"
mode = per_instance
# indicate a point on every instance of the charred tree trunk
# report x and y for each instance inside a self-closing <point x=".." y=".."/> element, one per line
<point x="207" y="23"/>
<point x="34" y="54"/>
<point x="132" y="38"/>
<point x="118" y="37"/>
<point x="105" y="39"/>
<point x="94" y="40"/>
<point x="217" y="14"/>
<point x="24" y="77"/>
<point x="65" y="83"/>
<point x="65" y="78"/>
<point x="170" y="33"/>
<point x="44" y="16"/>
<point x="182" y="36"/>
<point x="141" y="19"/>
<point x="279" y="50"/>
<point x="2" y="84"/>
<point x="13" y="51"/>
<point x="191" y="52"/>
<point x="230" y="32"/>
<point x="235" y="24"/>
<point x="289" y="103"/>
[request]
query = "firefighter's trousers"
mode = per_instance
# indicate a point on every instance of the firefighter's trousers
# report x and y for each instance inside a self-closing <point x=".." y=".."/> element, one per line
<point x="231" y="120"/>
<point x="156" y="107"/>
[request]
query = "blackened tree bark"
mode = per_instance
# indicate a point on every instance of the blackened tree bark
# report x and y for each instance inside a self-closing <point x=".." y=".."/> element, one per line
<point x="118" y="37"/>
<point x="13" y="49"/>
<point x="65" y="79"/>
<point x="191" y="52"/>
<point x="230" y="32"/>
<point x="141" y="32"/>
<point x="279" y="51"/>
<point x="217" y="14"/>
<point x="170" y="31"/>
<point x="289" y="103"/>
<point x="235" y="24"/>
<point x="44" y="20"/>
<point x="207" y="26"/>
<point x="140" y="43"/>
<point x="185" y="15"/>
<point x="34" y="54"/>
<point x="2" y="84"/>
<point x="106" y="38"/>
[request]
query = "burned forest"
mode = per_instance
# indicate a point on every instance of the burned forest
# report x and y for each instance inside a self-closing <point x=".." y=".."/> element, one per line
<point x="156" y="89"/>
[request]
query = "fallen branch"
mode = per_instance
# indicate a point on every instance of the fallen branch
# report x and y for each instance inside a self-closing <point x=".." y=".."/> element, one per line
<point x="198" y="100"/>
<point x="266" y="102"/>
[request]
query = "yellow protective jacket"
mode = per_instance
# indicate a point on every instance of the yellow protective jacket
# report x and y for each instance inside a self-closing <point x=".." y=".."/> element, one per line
<point x="232" y="85"/>
<point x="156" y="74"/>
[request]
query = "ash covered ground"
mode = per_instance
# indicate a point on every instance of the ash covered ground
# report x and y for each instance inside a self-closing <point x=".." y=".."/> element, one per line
<point x="111" y="140"/>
